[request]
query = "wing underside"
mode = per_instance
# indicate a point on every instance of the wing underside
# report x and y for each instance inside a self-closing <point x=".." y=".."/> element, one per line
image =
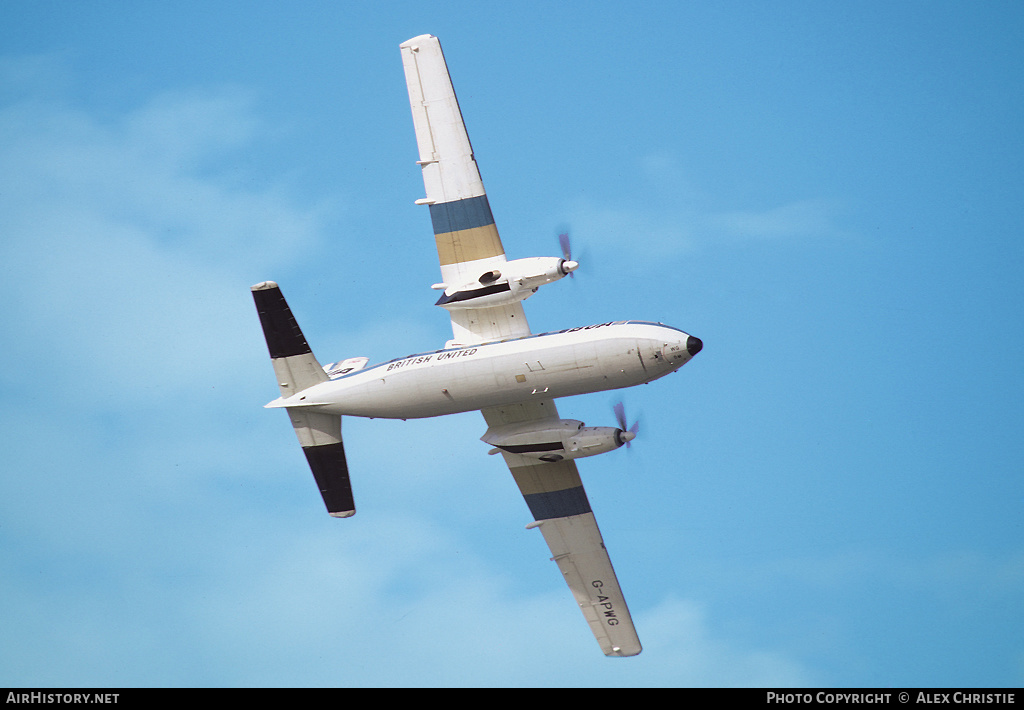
<point x="466" y="236"/>
<point x="555" y="496"/>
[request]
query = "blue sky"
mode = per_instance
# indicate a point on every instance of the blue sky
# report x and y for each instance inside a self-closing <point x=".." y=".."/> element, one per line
<point x="829" y="195"/>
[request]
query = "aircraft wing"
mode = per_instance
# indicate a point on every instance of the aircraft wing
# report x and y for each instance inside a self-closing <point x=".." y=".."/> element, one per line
<point x="468" y="245"/>
<point x="555" y="496"/>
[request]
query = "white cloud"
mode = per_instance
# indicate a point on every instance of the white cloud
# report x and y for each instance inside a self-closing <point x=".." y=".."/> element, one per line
<point x="674" y="217"/>
<point x="799" y="219"/>
<point x="130" y="254"/>
<point x="151" y="537"/>
<point x="381" y="603"/>
<point x="680" y="635"/>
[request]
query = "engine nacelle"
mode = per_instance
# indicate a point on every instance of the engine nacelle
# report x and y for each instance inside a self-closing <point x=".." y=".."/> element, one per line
<point x="555" y="440"/>
<point x="512" y="281"/>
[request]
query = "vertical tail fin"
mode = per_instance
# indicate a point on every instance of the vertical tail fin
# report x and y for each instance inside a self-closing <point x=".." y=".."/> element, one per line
<point x="297" y="369"/>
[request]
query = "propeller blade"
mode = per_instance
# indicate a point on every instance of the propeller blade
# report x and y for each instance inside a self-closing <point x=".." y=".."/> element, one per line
<point x="566" y="246"/>
<point x="628" y="433"/>
<point x="563" y="241"/>
<point x="620" y="415"/>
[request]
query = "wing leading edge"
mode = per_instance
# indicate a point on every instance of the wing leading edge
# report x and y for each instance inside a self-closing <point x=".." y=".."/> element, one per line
<point x="555" y="496"/>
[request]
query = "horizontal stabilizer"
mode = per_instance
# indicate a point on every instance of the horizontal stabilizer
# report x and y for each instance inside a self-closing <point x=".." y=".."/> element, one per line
<point x="284" y="338"/>
<point x="297" y="369"/>
<point x="320" y="437"/>
<point x="293" y="360"/>
<point x="331" y="473"/>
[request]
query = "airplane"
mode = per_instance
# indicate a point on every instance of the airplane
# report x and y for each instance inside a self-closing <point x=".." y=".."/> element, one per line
<point x="493" y="363"/>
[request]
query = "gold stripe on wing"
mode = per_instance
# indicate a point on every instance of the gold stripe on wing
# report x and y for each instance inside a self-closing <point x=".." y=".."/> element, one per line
<point x="468" y="245"/>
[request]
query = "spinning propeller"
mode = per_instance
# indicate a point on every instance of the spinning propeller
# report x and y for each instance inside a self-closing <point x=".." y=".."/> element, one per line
<point x="625" y="435"/>
<point x="568" y="266"/>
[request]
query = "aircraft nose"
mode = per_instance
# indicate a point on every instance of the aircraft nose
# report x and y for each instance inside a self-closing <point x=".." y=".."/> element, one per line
<point x="677" y="352"/>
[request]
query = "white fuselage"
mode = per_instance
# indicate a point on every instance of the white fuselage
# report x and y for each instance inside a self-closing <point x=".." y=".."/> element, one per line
<point x="559" y="364"/>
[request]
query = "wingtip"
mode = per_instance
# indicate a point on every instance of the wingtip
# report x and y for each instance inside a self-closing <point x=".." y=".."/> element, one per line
<point x="417" y="40"/>
<point x="264" y="286"/>
<point x="618" y="652"/>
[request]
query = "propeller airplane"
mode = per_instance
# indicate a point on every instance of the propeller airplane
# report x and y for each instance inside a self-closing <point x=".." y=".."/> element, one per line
<point x="493" y="363"/>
